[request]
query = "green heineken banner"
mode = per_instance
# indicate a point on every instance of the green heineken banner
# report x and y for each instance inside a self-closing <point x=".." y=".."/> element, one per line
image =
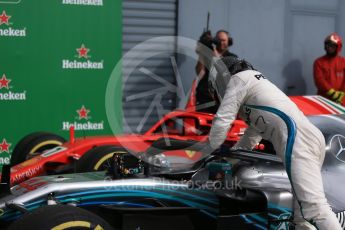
<point x="56" y="59"/>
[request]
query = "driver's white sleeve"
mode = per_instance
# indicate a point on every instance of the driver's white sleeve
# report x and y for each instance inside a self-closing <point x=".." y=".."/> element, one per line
<point x="248" y="140"/>
<point x="227" y="111"/>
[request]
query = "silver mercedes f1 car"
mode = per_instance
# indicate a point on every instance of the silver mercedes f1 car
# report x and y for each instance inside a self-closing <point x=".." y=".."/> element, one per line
<point x="226" y="190"/>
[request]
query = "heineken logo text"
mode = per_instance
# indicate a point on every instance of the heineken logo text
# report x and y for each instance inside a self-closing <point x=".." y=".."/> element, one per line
<point x="81" y="60"/>
<point x="83" y="115"/>
<point x="67" y="64"/>
<point x="8" y="95"/>
<point x="83" y="2"/>
<point x="83" y="126"/>
<point x="9" y="31"/>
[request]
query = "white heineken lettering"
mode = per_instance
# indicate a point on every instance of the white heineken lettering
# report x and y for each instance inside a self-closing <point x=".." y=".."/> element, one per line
<point x="82" y="126"/>
<point x="10" y="32"/>
<point x="83" y="2"/>
<point x="67" y="64"/>
<point x="4" y="160"/>
<point x="10" y="96"/>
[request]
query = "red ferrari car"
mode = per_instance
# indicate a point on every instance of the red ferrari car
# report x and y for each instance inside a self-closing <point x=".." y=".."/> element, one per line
<point x="41" y="153"/>
<point x="45" y="153"/>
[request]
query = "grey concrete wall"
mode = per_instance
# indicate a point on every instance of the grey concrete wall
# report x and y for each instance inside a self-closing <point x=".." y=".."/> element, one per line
<point x="281" y="38"/>
<point x="192" y="17"/>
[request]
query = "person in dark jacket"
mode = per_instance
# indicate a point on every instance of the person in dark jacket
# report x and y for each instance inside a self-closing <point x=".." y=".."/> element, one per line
<point x="205" y="102"/>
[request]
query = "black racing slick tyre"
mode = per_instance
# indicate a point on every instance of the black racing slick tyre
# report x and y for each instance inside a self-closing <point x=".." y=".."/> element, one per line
<point x="60" y="217"/>
<point x="33" y="145"/>
<point x="98" y="159"/>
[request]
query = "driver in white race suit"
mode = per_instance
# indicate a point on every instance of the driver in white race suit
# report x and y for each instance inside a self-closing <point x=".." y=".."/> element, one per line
<point x="272" y="116"/>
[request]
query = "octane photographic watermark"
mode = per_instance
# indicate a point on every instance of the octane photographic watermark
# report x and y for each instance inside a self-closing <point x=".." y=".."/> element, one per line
<point x="131" y="65"/>
<point x="165" y="184"/>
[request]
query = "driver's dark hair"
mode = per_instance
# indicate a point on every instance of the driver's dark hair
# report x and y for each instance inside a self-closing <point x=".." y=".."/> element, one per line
<point x="235" y="65"/>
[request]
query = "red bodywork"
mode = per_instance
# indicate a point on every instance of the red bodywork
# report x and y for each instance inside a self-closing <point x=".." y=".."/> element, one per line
<point x="191" y="126"/>
<point x="182" y="125"/>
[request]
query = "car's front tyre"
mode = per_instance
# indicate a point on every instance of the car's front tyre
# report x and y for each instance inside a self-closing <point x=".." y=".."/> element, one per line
<point x="60" y="217"/>
<point x="98" y="159"/>
<point x="34" y="144"/>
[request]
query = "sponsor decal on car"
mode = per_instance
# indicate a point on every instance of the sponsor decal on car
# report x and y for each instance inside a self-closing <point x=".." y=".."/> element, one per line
<point x="82" y="61"/>
<point x="6" y="94"/>
<point x="27" y="174"/>
<point x="83" y="121"/>
<point x="83" y="2"/>
<point x="6" y="29"/>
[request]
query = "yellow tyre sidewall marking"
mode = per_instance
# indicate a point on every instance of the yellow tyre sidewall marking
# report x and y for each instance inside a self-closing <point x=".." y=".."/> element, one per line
<point x="50" y="142"/>
<point x="71" y="224"/>
<point x="106" y="157"/>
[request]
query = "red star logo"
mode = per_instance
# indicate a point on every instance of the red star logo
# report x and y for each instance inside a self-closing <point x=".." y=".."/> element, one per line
<point x="4" y="146"/>
<point x="82" y="51"/>
<point x="4" y="82"/>
<point x="4" y="18"/>
<point x="83" y="113"/>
